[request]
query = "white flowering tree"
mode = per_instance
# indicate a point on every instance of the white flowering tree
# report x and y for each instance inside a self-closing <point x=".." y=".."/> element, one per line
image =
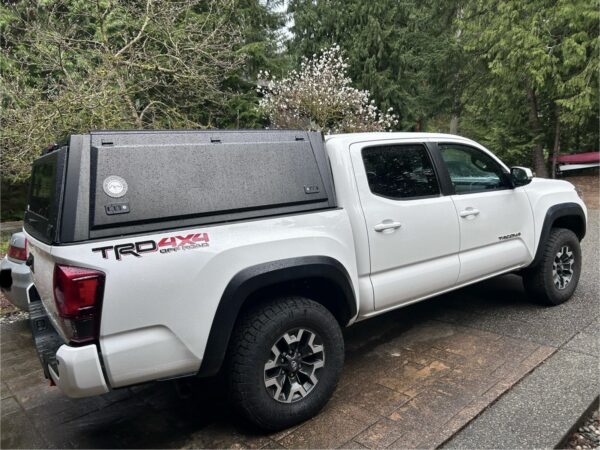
<point x="319" y="97"/>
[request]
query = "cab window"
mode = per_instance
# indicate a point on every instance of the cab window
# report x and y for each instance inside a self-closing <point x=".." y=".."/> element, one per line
<point x="400" y="171"/>
<point x="472" y="170"/>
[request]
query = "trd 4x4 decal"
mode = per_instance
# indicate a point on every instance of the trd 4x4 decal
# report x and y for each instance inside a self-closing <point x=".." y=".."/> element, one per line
<point x="165" y="245"/>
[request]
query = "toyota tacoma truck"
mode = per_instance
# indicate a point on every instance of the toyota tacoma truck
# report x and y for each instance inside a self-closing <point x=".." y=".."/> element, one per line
<point x="163" y="254"/>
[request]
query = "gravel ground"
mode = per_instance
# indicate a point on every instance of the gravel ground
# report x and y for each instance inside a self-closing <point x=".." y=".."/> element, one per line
<point x="12" y="316"/>
<point x="588" y="435"/>
<point x="5" y="305"/>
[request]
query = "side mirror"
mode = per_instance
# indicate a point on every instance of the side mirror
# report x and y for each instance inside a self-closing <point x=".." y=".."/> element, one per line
<point x="521" y="176"/>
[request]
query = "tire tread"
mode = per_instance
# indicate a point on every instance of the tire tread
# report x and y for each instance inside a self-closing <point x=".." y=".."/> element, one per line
<point x="538" y="280"/>
<point x="245" y="337"/>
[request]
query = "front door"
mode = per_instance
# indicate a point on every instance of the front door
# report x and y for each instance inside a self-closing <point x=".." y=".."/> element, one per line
<point x="413" y="230"/>
<point x="496" y="221"/>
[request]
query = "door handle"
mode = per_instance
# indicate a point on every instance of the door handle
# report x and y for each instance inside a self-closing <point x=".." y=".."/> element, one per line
<point x="387" y="225"/>
<point x="469" y="212"/>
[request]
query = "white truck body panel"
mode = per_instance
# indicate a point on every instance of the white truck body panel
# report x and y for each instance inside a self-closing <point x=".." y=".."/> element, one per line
<point x="544" y="194"/>
<point x="481" y="250"/>
<point x="156" y="324"/>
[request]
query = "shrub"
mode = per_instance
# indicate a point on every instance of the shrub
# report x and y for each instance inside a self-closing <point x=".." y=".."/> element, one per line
<point x="319" y="96"/>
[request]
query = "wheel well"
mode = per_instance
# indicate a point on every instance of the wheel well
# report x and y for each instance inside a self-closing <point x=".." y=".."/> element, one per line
<point x="562" y="215"/>
<point x="320" y="278"/>
<point x="321" y="290"/>
<point x="571" y="222"/>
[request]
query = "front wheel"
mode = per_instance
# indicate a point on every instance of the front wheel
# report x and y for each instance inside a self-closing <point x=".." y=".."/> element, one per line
<point x="284" y="362"/>
<point x="554" y="280"/>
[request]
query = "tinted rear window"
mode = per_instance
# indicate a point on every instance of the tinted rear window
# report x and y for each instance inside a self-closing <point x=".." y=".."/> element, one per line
<point x="43" y="183"/>
<point x="41" y="216"/>
<point x="400" y="171"/>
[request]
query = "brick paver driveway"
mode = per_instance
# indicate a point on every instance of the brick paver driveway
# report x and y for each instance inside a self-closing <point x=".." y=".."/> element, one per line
<point x="412" y="378"/>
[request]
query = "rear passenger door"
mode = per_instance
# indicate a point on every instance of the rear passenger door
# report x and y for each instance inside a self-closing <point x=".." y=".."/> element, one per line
<point x="496" y="221"/>
<point x="413" y="229"/>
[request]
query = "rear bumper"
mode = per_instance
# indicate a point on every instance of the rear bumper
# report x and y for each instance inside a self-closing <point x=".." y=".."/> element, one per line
<point x="78" y="372"/>
<point x="75" y="370"/>
<point x="20" y="282"/>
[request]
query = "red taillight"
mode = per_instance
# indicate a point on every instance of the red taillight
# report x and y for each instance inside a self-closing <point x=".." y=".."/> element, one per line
<point x="18" y="252"/>
<point x="78" y="296"/>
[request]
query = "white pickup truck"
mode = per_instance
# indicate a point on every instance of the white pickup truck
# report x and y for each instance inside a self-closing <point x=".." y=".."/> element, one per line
<point x="162" y="254"/>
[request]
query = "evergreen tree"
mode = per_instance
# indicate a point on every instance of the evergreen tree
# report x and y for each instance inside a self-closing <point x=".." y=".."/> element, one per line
<point x="403" y="51"/>
<point x="539" y="63"/>
<point x="261" y="44"/>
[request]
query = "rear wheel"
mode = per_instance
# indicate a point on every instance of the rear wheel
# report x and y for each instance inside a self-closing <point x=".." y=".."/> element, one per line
<point x="284" y="362"/>
<point x="554" y="280"/>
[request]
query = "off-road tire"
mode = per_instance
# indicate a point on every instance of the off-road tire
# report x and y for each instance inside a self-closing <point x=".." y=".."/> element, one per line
<point x="539" y="281"/>
<point x="250" y="348"/>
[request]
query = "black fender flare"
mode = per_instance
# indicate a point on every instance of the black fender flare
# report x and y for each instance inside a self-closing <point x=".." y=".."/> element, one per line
<point x="253" y="278"/>
<point x="555" y="212"/>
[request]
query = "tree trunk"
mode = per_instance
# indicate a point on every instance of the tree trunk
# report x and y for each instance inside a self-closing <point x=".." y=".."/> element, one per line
<point x="539" y="165"/>
<point x="454" y="124"/>
<point x="456" y="99"/>
<point x="556" y="146"/>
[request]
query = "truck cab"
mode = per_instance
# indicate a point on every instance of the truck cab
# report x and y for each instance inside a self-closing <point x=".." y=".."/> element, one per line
<point x="434" y="212"/>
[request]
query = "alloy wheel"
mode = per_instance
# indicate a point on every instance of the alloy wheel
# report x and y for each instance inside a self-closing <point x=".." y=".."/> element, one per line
<point x="562" y="267"/>
<point x="293" y="368"/>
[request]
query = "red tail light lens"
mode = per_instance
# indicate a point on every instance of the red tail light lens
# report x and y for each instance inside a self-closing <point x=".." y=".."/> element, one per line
<point x="78" y="296"/>
<point x="18" y="252"/>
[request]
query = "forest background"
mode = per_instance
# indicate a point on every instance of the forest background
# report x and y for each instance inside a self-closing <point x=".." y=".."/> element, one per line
<point x="520" y="77"/>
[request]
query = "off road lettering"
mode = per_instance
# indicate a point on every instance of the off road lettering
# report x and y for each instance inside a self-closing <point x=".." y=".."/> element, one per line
<point x="509" y="236"/>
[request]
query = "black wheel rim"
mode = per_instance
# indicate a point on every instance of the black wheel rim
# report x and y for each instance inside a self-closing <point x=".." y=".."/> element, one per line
<point x="294" y="365"/>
